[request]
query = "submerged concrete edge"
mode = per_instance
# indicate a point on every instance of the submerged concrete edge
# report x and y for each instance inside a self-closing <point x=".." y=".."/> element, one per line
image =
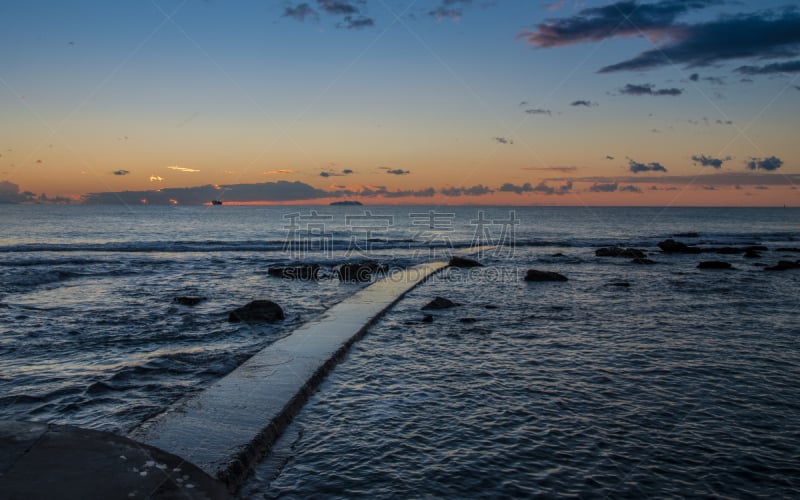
<point x="231" y="464"/>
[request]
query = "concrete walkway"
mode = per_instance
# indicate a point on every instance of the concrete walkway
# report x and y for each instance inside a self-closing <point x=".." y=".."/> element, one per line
<point x="228" y="427"/>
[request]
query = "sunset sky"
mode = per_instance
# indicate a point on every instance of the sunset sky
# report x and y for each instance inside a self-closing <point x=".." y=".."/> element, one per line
<point x="399" y="101"/>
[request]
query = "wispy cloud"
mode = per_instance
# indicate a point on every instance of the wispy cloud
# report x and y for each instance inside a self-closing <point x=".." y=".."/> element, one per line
<point x="283" y="171"/>
<point x="156" y="178"/>
<point x="538" y="111"/>
<point x="503" y="140"/>
<point x="708" y="161"/>
<point x="450" y="9"/>
<point x="183" y="169"/>
<point x="648" y="89"/>
<point x="397" y="171"/>
<point x="350" y="12"/>
<point x="121" y="172"/>
<point x="604" y="188"/>
<point x="301" y="12"/>
<point x="478" y="190"/>
<point x="513" y="188"/>
<point x="783" y="67"/>
<point x="566" y="170"/>
<point x="583" y="102"/>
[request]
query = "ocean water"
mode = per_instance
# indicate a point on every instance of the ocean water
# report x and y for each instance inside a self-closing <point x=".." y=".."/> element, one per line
<point x="686" y="382"/>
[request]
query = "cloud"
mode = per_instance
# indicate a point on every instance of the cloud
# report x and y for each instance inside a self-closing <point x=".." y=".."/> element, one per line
<point x="9" y="193"/>
<point x="582" y="102"/>
<point x="718" y="179"/>
<point x="503" y="140"/>
<point x="538" y="111"/>
<point x="648" y="89"/>
<point x="708" y="161"/>
<point x="636" y="167"/>
<point x="301" y="12"/>
<point x="603" y="188"/>
<point x="398" y="171"/>
<point x="283" y="171"/>
<point x="512" y="188"/>
<point x="609" y="157"/>
<point x="337" y="7"/>
<point x="768" y="35"/>
<point x="478" y="190"/>
<point x="784" y="67"/>
<point x="630" y="189"/>
<point x="333" y="173"/>
<point x="565" y="170"/>
<point x="453" y="9"/>
<point x="623" y="18"/>
<point x="183" y="169"/>
<point x="155" y="178"/>
<point x="694" y="77"/>
<point x="769" y="164"/>
<point x="121" y="172"/>
<point x="709" y="188"/>
<point x="347" y="171"/>
<point x="356" y="23"/>
<point x="543" y="188"/>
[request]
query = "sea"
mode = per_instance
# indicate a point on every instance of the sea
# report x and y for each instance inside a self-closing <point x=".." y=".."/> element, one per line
<point x="626" y="380"/>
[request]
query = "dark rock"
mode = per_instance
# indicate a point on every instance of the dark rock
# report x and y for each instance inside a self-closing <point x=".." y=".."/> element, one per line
<point x="643" y="261"/>
<point x="752" y="254"/>
<point x="456" y="261"/>
<point x="467" y="320"/>
<point x="686" y="235"/>
<point x="559" y="254"/>
<point x="359" y="271"/>
<point x="714" y="264"/>
<point x="189" y="300"/>
<point x="622" y="284"/>
<point x="672" y="246"/>
<point x="787" y="250"/>
<point x="439" y="303"/>
<point x="628" y="253"/>
<point x="784" y="265"/>
<point x="428" y="318"/>
<point x="535" y="275"/>
<point x="297" y="272"/>
<point x="258" y="311"/>
<point x="490" y="306"/>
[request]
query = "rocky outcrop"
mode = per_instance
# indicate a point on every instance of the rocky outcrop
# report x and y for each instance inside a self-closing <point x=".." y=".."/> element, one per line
<point x="672" y="246"/>
<point x="784" y="265"/>
<point x="536" y="275"/>
<point x="257" y="311"/>
<point x="297" y="272"/>
<point x="456" y="261"/>
<point x="188" y="300"/>
<point x="628" y="253"/>
<point x="439" y="303"/>
<point x="714" y="264"/>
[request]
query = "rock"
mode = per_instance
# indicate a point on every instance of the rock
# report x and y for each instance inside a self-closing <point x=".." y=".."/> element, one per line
<point x="490" y="306"/>
<point x="559" y="254"/>
<point x="428" y="318"/>
<point x="643" y="261"/>
<point x="535" y="275"/>
<point x="752" y="254"/>
<point x="714" y="264"/>
<point x="629" y="253"/>
<point x="690" y="234"/>
<point x="456" y="261"/>
<point x="672" y="246"/>
<point x="359" y="271"/>
<point x="257" y="311"/>
<point x="622" y="284"/>
<point x="439" y="303"/>
<point x="784" y="265"/>
<point x="297" y="272"/>
<point x="189" y="300"/>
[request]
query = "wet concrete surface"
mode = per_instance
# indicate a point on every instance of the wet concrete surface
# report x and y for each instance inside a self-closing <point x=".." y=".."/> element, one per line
<point x="227" y="428"/>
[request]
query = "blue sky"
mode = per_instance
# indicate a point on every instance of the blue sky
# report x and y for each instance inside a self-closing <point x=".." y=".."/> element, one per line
<point x="452" y="93"/>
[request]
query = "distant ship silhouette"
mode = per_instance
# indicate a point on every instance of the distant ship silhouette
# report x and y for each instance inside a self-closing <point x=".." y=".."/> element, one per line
<point x="216" y="202"/>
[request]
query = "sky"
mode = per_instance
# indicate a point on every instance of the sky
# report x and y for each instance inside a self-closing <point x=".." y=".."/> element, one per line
<point x="517" y="102"/>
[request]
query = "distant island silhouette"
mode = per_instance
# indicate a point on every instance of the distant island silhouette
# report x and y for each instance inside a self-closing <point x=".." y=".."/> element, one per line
<point x="347" y="203"/>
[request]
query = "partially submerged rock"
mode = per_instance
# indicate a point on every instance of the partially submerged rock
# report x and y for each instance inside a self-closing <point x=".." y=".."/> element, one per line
<point x="456" y="261"/>
<point x="714" y="264"/>
<point x="257" y="311"/>
<point x="188" y="300"/>
<point x="672" y="246"/>
<point x="439" y="303"/>
<point x="784" y="265"/>
<point x="536" y="275"/>
<point x="629" y="253"/>
<point x="306" y="272"/>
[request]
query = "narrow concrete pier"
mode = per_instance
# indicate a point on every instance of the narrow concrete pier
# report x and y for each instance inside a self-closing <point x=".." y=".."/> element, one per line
<point x="228" y="427"/>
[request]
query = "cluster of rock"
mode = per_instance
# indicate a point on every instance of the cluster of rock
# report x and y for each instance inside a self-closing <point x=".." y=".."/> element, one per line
<point x="362" y="271"/>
